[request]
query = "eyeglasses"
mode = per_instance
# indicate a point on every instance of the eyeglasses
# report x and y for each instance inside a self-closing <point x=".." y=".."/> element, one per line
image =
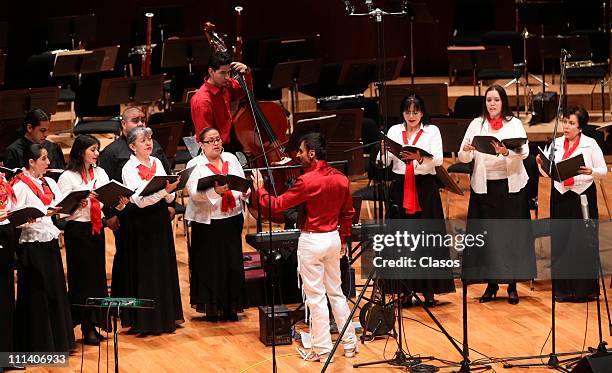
<point x="412" y="113"/>
<point x="212" y="141"/>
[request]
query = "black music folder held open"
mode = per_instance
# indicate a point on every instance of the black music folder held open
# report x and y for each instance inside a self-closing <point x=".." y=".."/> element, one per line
<point x="10" y="173"/>
<point x="234" y="182"/>
<point x="396" y="148"/>
<point x="21" y="215"/>
<point x="563" y="170"/>
<point x="482" y="143"/>
<point x="70" y="202"/>
<point x="110" y="193"/>
<point x="184" y="177"/>
<point x="157" y="183"/>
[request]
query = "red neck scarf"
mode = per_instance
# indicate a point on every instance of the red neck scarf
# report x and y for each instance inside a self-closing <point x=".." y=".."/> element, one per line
<point x="45" y="195"/>
<point x="411" y="197"/>
<point x="95" y="211"/>
<point x="6" y="192"/>
<point x="147" y="173"/>
<point x="228" y="203"/>
<point x="567" y="151"/>
<point x="497" y="123"/>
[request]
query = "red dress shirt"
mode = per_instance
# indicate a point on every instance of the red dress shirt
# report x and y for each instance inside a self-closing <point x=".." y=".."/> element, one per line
<point x="210" y="106"/>
<point x="327" y="200"/>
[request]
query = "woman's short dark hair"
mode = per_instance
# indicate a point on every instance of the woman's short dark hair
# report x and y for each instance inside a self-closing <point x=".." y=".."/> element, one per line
<point x="33" y="152"/>
<point x="315" y="141"/>
<point x="417" y="102"/>
<point x="206" y="130"/>
<point x="505" y="111"/>
<point x="580" y="113"/>
<point x="34" y="117"/>
<point x="219" y="59"/>
<point x="76" y="160"/>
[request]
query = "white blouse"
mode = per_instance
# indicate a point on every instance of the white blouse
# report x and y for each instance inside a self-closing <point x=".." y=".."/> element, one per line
<point x="430" y="141"/>
<point x="203" y="206"/>
<point x="42" y="230"/>
<point x="7" y="206"/>
<point x="514" y="169"/>
<point x="593" y="158"/>
<point x="132" y="180"/>
<point x="71" y="181"/>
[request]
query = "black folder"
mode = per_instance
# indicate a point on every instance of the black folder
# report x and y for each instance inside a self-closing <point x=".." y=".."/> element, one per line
<point x="482" y="143"/>
<point x="157" y="183"/>
<point x="10" y="173"/>
<point x="21" y="215"/>
<point x="184" y="177"/>
<point x="396" y="148"/>
<point x="563" y="170"/>
<point x="72" y="200"/>
<point x="234" y="182"/>
<point x="109" y="193"/>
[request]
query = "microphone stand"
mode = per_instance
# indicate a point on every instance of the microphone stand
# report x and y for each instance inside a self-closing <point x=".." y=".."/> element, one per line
<point x="271" y="254"/>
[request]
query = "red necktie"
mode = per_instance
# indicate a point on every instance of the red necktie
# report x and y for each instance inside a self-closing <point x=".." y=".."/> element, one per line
<point x="411" y="196"/>
<point x="146" y="173"/>
<point x="95" y="212"/>
<point x="566" y="153"/>
<point x="228" y="203"/>
<point x="497" y="123"/>
<point x="46" y="195"/>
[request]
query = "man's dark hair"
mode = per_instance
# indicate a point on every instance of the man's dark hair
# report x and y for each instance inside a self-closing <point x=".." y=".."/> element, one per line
<point x="34" y="117"/>
<point x="219" y="59"/>
<point x="314" y="141"/>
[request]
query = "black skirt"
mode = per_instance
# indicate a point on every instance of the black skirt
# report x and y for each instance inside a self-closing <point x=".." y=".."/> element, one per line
<point x="7" y="286"/>
<point x="216" y="268"/>
<point x="431" y="209"/>
<point x="508" y="254"/>
<point x="145" y="267"/>
<point x="86" y="267"/>
<point x="42" y="318"/>
<point x="568" y="243"/>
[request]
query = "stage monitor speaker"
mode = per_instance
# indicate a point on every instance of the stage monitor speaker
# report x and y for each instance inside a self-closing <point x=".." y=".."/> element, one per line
<point x="544" y="107"/>
<point x="597" y="363"/>
<point x="282" y="325"/>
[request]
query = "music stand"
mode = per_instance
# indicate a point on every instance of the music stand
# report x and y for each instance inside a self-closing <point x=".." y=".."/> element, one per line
<point x="114" y="306"/>
<point x="77" y="62"/>
<point x="292" y="74"/>
<point x="15" y="103"/>
<point x="71" y="29"/>
<point x="185" y="52"/>
<point x="417" y="12"/>
<point x="463" y="57"/>
<point x="139" y="90"/>
<point x="357" y="75"/>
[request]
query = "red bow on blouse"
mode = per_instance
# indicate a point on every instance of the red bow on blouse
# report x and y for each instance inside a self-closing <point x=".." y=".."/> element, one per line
<point x="228" y="203"/>
<point x="496" y="123"/>
<point x="146" y="173"/>
<point x="45" y="195"/>
<point x="95" y="211"/>
<point x="411" y="196"/>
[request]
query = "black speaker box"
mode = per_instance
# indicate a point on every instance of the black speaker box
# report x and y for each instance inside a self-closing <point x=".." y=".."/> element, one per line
<point x="598" y="363"/>
<point x="544" y="107"/>
<point x="282" y="324"/>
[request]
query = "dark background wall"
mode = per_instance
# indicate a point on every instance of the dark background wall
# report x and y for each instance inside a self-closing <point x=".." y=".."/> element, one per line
<point x="341" y="37"/>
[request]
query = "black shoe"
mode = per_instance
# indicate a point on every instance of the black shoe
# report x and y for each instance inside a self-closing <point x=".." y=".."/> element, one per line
<point x="430" y="301"/>
<point x="98" y="335"/>
<point x="91" y="340"/>
<point x="513" y="297"/>
<point x="211" y="318"/>
<point x="490" y="293"/>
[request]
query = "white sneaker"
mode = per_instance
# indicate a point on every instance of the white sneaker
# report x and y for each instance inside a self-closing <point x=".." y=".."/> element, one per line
<point x="350" y="352"/>
<point x="310" y="355"/>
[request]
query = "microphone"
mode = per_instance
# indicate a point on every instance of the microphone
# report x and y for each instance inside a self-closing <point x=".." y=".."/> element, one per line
<point x="566" y="53"/>
<point x="584" y="206"/>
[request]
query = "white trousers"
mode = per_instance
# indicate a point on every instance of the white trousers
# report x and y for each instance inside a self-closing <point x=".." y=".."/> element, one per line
<point x="319" y="268"/>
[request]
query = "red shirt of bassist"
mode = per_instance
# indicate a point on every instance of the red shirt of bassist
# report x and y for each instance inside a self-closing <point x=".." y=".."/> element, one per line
<point x="210" y="105"/>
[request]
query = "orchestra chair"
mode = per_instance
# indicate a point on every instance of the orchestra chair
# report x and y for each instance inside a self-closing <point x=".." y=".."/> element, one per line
<point x="90" y="117"/>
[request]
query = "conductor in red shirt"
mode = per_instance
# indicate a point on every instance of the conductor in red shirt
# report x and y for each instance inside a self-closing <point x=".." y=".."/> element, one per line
<point x="211" y="104"/>
<point x="324" y="194"/>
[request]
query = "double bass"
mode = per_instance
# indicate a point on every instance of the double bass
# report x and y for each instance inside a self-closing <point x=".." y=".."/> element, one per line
<point x="261" y="128"/>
